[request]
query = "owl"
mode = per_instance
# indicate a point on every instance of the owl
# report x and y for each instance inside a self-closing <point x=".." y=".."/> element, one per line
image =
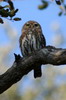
<point x="31" y="40"/>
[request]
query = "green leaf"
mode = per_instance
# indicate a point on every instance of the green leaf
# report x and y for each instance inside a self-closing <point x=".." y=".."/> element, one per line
<point x="60" y="13"/>
<point x="43" y="6"/>
<point x="17" y="19"/>
<point x="1" y="21"/>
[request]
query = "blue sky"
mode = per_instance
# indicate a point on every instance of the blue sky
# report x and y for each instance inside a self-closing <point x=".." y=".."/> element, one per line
<point x="28" y="10"/>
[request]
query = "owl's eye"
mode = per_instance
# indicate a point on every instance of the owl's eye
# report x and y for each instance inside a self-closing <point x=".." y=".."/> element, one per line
<point x="27" y="24"/>
<point x="36" y="25"/>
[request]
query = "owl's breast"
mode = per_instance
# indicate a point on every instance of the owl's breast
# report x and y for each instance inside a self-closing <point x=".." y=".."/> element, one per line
<point x="28" y="36"/>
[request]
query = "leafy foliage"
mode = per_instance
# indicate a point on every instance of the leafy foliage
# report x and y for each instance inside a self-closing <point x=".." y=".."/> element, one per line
<point x="60" y="3"/>
<point x="44" y="5"/>
<point x="8" y="11"/>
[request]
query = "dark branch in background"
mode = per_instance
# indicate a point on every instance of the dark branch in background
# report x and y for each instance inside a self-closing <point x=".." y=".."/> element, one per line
<point x="22" y="66"/>
<point x="8" y="11"/>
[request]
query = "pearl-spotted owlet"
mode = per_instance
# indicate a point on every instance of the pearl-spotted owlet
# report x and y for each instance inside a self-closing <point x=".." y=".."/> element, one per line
<point x="30" y="40"/>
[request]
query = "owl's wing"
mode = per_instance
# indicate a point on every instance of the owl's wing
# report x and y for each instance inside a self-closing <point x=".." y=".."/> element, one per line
<point x="20" y="43"/>
<point x="42" y="40"/>
<point x="23" y="46"/>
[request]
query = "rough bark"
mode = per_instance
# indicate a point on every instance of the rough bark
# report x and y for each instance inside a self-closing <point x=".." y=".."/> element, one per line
<point x="22" y="66"/>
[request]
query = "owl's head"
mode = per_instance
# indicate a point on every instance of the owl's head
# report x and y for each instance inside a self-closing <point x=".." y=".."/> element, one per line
<point x="31" y="26"/>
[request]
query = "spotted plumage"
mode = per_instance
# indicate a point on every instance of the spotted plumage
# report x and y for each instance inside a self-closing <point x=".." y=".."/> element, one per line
<point x="30" y="40"/>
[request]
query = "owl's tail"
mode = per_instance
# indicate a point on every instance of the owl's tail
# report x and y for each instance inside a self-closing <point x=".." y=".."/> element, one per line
<point x="37" y="72"/>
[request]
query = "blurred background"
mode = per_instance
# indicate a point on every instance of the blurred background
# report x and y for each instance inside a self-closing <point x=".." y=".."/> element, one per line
<point x="52" y="84"/>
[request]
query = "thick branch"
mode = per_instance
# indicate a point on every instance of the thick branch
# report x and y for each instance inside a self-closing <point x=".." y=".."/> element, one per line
<point x="22" y="66"/>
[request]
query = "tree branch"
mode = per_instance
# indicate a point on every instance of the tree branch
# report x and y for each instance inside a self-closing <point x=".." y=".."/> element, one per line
<point x="22" y="66"/>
